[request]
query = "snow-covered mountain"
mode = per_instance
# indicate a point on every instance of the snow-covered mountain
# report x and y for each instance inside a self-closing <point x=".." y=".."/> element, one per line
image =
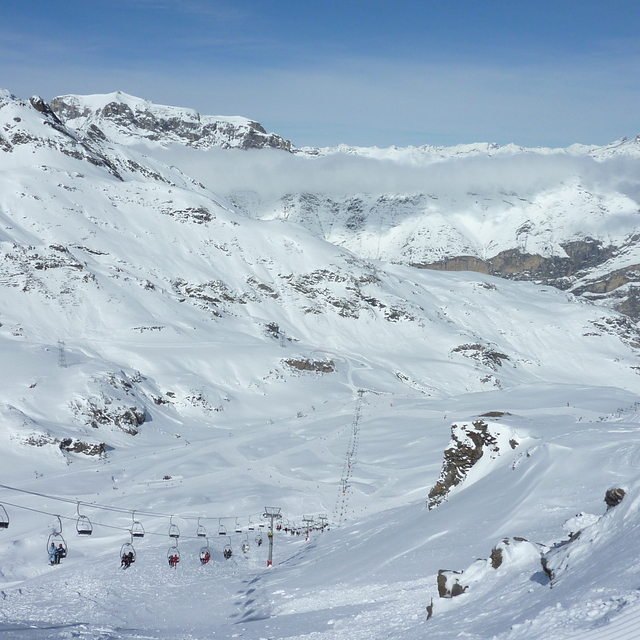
<point x="562" y="217"/>
<point x="172" y="357"/>
<point x="567" y="218"/>
<point x="126" y="119"/>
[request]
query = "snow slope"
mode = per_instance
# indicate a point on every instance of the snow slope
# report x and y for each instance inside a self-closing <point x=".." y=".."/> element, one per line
<point x="168" y="359"/>
<point x="564" y="217"/>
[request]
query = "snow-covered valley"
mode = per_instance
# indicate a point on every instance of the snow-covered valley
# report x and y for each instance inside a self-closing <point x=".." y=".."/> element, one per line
<point x="172" y="354"/>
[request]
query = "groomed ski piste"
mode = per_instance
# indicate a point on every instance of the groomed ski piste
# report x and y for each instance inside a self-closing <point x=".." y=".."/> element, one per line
<point x="371" y="577"/>
<point x="169" y="361"/>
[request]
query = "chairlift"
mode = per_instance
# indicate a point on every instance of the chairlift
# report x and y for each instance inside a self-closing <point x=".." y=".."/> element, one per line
<point x="222" y="531"/>
<point x="127" y="554"/>
<point x="259" y="539"/>
<point x="173" y="556"/>
<point x="201" y="532"/>
<point x="251" y="526"/>
<point x="56" y="545"/>
<point x="245" y="545"/>
<point x="174" y="532"/>
<point x="137" y="530"/>
<point x="205" y="554"/>
<point x="83" y="524"/>
<point x="238" y="527"/>
<point x="4" y="518"/>
<point x="227" y="552"/>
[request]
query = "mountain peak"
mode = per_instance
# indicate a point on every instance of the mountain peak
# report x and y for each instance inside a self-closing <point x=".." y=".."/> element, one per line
<point x="127" y="119"/>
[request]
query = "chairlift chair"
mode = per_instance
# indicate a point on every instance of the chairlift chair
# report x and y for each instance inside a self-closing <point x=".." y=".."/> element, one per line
<point x="222" y="531"/>
<point x="137" y="530"/>
<point x="245" y="545"/>
<point x="125" y="550"/>
<point x="173" y="556"/>
<point x="174" y="532"/>
<point x="57" y="540"/>
<point x="227" y="551"/>
<point x="205" y="554"/>
<point x="238" y="527"/>
<point x="251" y="526"/>
<point x="4" y="518"/>
<point x="259" y="539"/>
<point x="201" y="532"/>
<point x="83" y="524"/>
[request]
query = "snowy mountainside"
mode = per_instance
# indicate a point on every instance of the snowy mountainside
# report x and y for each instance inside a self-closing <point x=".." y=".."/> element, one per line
<point x="126" y="119"/>
<point x="563" y="217"/>
<point x="168" y="355"/>
<point x="567" y="221"/>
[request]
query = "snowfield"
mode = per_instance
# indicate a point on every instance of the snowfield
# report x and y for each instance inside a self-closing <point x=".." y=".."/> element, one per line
<point x="168" y="360"/>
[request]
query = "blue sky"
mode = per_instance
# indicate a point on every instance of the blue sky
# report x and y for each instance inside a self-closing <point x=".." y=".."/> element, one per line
<point x="367" y="73"/>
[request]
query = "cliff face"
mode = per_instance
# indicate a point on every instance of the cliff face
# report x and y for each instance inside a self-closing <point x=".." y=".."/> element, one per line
<point x="585" y="271"/>
<point x="128" y="120"/>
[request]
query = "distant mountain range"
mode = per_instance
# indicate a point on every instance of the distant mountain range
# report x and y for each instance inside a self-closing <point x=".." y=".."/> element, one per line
<point x="104" y="238"/>
<point x="569" y="218"/>
<point x="198" y="319"/>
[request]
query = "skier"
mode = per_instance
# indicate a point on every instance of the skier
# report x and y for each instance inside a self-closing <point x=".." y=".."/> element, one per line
<point x="60" y="553"/>
<point x="173" y="561"/>
<point x="127" y="560"/>
<point x="52" y="554"/>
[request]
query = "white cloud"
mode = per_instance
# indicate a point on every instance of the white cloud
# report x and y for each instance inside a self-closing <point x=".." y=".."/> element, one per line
<point x="275" y="173"/>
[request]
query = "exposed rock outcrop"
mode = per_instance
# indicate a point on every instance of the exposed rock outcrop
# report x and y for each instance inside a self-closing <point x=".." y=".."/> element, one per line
<point x="73" y="445"/>
<point x="469" y="443"/>
<point x="613" y="497"/>
<point x="104" y="411"/>
<point x="138" y="119"/>
<point x="571" y="272"/>
<point x="583" y="531"/>
<point x="509" y="554"/>
<point x="449" y="583"/>
<point x="317" y="366"/>
<point x="68" y="445"/>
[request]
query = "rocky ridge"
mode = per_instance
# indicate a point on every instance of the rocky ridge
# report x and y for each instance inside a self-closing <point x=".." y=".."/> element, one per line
<point x="128" y="120"/>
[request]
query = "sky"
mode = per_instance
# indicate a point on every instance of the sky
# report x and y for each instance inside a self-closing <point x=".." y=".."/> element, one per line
<point x="409" y="72"/>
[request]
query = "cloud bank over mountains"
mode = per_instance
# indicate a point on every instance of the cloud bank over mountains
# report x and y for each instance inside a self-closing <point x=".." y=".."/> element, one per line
<point x="273" y="174"/>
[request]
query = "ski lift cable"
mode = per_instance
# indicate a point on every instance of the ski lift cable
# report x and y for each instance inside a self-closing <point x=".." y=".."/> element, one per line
<point x="97" y="524"/>
<point x="147" y="514"/>
<point x="350" y="459"/>
<point x="129" y="512"/>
